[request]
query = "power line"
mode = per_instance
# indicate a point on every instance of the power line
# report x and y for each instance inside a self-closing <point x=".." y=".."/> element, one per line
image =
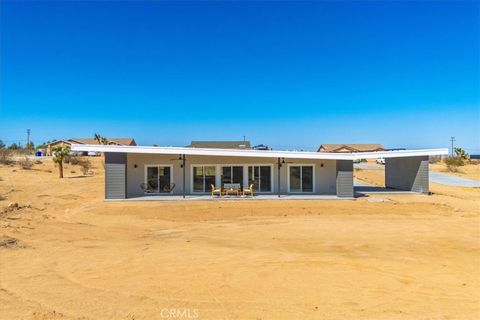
<point x="28" y="137"/>
<point x="452" y="139"/>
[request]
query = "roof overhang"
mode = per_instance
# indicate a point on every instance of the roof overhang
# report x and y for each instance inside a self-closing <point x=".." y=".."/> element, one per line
<point x="259" y="153"/>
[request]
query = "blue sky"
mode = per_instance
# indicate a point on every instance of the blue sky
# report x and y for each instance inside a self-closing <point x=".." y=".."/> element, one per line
<point x="285" y="74"/>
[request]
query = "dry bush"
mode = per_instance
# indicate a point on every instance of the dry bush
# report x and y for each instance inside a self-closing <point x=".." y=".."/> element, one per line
<point x="25" y="164"/>
<point x="452" y="168"/>
<point x="454" y="161"/>
<point x="6" y="156"/>
<point x="73" y="160"/>
<point x="85" y="164"/>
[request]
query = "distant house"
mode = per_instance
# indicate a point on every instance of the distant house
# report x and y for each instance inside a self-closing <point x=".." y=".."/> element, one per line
<point x="348" y="148"/>
<point x="89" y="141"/>
<point x="221" y="144"/>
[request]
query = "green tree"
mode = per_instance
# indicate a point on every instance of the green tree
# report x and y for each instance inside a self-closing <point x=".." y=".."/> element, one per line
<point x="30" y="145"/>
<point x="100" y="139"/>
<point x="2" y="145"/>
<point x="13" y="146"/>
<point x="461" y="153"/>
<point x="59" y="155"/>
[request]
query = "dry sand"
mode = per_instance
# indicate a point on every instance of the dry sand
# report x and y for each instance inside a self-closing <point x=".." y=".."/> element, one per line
<point x="67" y="254"/>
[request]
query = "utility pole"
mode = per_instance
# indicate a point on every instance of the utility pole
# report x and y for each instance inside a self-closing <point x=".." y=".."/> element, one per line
<point x="28" y="138"/>
<point x="452" y="139"/>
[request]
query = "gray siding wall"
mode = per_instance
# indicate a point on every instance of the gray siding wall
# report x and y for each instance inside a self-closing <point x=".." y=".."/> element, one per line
<point x="344" y="179"/>
<point x="408" y="173"/>
<point x="325" y="178"/>
<point x="115" y="175"/>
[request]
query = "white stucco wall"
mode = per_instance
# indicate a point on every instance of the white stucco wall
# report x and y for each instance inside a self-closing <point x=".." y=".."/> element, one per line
<point x="325" y="176"/>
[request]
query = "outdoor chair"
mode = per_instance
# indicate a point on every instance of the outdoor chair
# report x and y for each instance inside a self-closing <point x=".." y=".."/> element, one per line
<point x="146" y="188"/>
<point x="169" y="188"/>
<point x="248" y="191"/>
<point x="214" y="191"/>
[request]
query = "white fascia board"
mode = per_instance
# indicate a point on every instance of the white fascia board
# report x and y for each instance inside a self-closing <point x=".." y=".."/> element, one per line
<point x="213" y="152"/>
<point x="258" y="153"/>
<point x="400" y="153"/>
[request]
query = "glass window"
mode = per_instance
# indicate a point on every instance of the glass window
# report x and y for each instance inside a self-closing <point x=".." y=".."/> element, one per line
<point x="265" y="179"/>
<point x="198" y="179"/>
<point x="203" y="178"/>
<point x="295" y="181"/>
<point x="260" y="177"/>
<point x="152" y="178"/>
<point x="159" y="178"/>
<point x="210" y="173"/>
<point x="301" y="178"/>
<point x="226" y="175"/>
<point x="307" y="179"/>
<point x="232" y="175"/>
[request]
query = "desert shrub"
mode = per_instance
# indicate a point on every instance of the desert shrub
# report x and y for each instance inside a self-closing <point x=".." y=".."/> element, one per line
<point x="25" y="164"/>
<point x="38" y="162"/>
<point x="451" y="168"/>
<point x="85" y="164"/>
<point x="454" y="161"/>
<point x="73" y="160"/>
<point x="73" y="171"/>
<point x="6" y="156"/>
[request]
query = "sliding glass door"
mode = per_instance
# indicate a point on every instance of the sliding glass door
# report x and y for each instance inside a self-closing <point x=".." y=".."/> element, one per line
<point x="159" y="178"/>
<point x="261" y="178"/>
<point x="203" y="178"/>
<point x="232" y="174"/>
<point x="301" y="178"/>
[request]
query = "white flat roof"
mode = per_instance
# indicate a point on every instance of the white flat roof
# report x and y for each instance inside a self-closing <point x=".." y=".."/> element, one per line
<point x="259" y="153"/>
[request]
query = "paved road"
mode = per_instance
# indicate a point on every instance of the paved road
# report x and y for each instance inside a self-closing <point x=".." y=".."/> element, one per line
<point x="452" y="180"/>
<point x="434" y="177"/>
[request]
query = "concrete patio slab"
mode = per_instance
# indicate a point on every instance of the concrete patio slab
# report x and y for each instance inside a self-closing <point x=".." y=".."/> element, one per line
<point x="232" y="198"/>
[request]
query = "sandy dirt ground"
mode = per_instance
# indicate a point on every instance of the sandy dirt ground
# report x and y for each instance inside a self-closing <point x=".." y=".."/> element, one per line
<point x="67" y="254"/>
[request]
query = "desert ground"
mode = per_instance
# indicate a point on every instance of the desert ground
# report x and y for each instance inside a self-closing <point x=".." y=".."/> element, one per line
<point x="67" y="254"/>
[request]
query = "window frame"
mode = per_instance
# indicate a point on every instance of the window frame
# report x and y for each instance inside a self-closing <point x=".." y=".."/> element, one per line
<point x="301" y="165"/>
<point x="145" y="176"/>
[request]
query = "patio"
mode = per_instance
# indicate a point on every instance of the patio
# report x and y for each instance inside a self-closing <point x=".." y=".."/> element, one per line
<point x="232" y="198"/>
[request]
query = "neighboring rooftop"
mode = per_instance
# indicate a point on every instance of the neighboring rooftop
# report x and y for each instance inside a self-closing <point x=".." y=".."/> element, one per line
<point x="113" y="141"/>
<point x="221" y="144"/>
<point x="353" y="147"/>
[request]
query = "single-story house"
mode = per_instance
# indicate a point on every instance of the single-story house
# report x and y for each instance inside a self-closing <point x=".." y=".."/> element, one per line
<point x="140" y="171"/>
<point x="221" y="144"/>
<point x="89" y="141"/>
<point x="356" y="147"/>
